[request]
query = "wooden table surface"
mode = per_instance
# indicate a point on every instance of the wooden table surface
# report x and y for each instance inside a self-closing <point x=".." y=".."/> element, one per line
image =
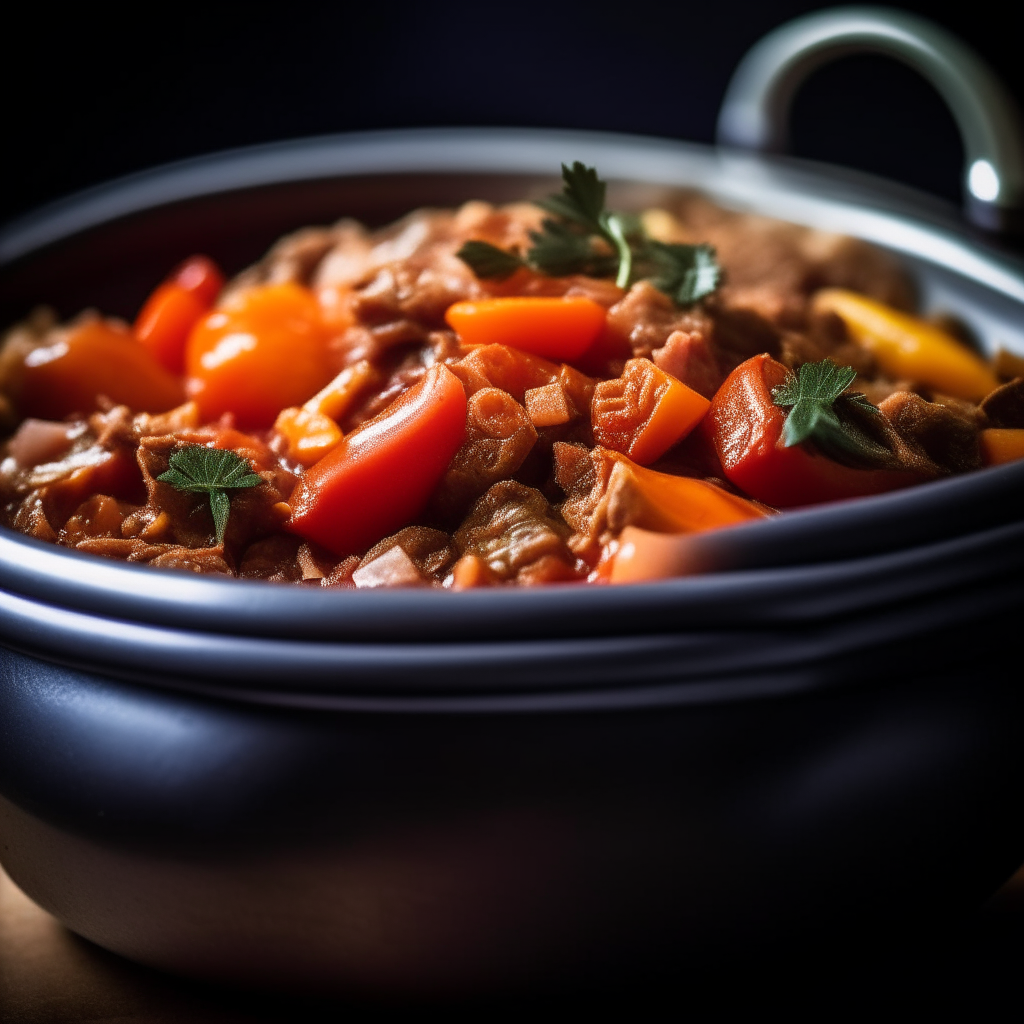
<point x="48" y="975"/>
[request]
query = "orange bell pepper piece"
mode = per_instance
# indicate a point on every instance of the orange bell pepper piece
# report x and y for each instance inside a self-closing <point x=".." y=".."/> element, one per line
<point x="380" y="477"/>
<point x="1001" y="444"/>
<point x="264" y="352"/>
<point x="684" y="504"/>
<point x="556" y="328"/>
<point x="98" y="357"/>
<point x="907" y="347"/>
<point x="175" y="307"/>
<point x="645" y="411"/>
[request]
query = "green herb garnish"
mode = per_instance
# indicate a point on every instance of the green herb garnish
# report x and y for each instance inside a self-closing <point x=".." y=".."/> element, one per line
<point x="581" y="237"/>
<point x="821" y="413"/>
<point x="685" y="272"/>
<point x="211" y="471"/>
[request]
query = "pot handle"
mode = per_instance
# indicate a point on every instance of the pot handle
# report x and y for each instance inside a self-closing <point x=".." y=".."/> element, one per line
<point x="755" y="110"/>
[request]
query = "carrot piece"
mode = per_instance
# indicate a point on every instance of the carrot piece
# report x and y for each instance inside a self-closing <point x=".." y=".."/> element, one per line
<point x="645" y="411"/>
<point x="96" y="358"/>
<point x="380" y="477"/>
<point x="556" y="328"/>
<point x="908" y="347"/>
<point x="1001" y="444"/>
<point x="265" y="351"/>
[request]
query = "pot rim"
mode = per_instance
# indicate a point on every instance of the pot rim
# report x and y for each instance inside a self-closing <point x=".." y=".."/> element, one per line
<point x="834" y="199"/>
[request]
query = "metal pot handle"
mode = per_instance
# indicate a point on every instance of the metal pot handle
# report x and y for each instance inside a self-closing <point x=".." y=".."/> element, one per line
<point x="755" y="110"/>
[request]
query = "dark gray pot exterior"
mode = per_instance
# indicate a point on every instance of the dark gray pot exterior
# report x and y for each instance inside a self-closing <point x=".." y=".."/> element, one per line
<point x="457" y="793"/>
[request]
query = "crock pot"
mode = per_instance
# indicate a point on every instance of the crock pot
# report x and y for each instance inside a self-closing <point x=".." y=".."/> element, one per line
<point x="431" y="792"/>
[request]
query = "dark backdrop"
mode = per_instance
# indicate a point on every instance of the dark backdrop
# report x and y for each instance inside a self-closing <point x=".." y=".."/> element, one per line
<point x="94" y="95"/>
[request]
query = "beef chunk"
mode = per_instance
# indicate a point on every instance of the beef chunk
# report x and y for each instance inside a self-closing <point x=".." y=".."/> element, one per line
<point x="647" y="317"/>
<point x="688" y="357"/>
<point x="947" y="433"/>
<point x="413" y="557"/>
<point x="1004" y="407"/>
<point x="499" y="436"/>
<point x="518" y="536"/>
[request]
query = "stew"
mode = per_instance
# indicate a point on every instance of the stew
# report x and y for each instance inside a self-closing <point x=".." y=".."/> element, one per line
<point x="491" y="396"/>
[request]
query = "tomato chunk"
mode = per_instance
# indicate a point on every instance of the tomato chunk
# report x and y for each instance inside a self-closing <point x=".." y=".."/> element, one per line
<point x="264" y="352"/>
<point x="380" y="477"/>
<point x="555" y="328"/>
<point x="745" y="426"/>
<point x="96" y="358"/>
<point x="200" y="276"/>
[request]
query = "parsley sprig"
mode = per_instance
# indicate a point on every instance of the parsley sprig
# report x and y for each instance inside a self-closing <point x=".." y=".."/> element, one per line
<point x="582" y="237"/>
<point x="822" y="412"/>
<point x="212" y="471"/>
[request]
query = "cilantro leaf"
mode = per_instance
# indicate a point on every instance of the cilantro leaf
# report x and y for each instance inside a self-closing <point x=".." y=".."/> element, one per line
<point x="581" y="237"/>
<point x="687" y="273"/>
<point x="815" y="398"/>
<point x="212" y="471"/>
<point x="581" y="199"/>
<point x="560" y="249"/>
<point x="488" y="261"/>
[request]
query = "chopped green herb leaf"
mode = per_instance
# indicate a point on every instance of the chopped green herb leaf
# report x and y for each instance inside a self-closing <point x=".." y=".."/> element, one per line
<point x="685" y="272"/>
<point x="820" y="412"/>
<point x="583" y="238"/>
<point x="212" y="471"/>
<point x="560" y="249"/>
<point x="581" y="199"/>
<point x="488" y="261"/>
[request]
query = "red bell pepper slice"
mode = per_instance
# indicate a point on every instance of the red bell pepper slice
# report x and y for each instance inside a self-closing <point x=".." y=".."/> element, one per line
<point x="175" y="307"/>
<point x="380" y="477"/>
<point x="746" y="427"/>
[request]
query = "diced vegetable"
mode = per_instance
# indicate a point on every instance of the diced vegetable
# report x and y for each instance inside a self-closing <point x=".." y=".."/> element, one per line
<point x="200" y="276"/>
<point x="96" y="358"/>
<point x="381" y="475"/>
<point x="746" y="428"/>
<point x="310" y="434"/>
<point x="312" y="431"/>
<point x="165" y="322"/>
<point x="175" y="307"/>
<point x="908" y="347"/>
<point x="556" y="328"/>
<point x="999" y="445"/>
<point x="645" y="555"/>
<point x="264" y="352"/>
<point x="645" y="411"/>
<point x="683" y="504"/>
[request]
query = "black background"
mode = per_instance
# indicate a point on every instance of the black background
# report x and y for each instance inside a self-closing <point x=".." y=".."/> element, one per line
<point x="97" y="94"/>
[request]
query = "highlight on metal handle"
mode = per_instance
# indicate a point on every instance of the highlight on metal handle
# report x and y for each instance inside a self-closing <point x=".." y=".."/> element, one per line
<point x="755" y="111"/>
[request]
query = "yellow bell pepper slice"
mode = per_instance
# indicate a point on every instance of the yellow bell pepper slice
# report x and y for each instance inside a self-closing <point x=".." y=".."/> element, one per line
<point x="907" y="347"/>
